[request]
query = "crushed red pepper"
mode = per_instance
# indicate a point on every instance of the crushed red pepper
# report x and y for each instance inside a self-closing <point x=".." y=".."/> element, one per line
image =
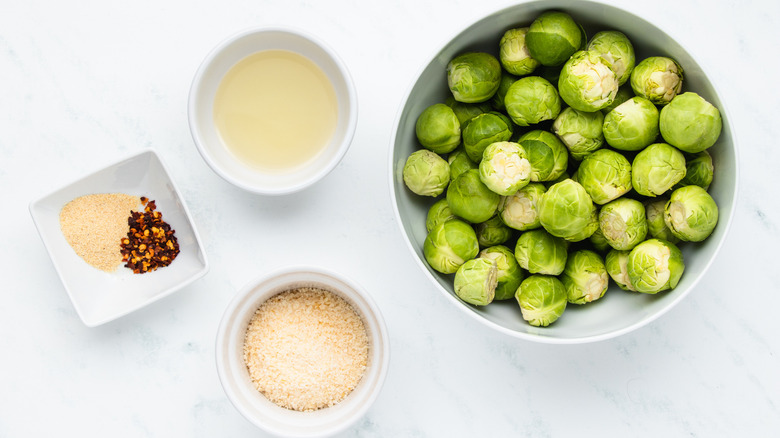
<point x="150" y="242"/>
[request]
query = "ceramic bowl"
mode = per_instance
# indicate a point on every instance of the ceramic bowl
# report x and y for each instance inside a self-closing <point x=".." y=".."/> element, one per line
<point x="617" y="312"/>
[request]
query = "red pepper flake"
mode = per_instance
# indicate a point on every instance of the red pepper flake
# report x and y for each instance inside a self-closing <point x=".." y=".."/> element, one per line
<point x="150" y="241"/>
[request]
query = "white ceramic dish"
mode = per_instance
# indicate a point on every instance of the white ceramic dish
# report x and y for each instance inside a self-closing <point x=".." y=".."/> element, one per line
<point x="100" y="296"/>
<point x="617" y="312"/>
<point x="201" y="101"/>
<point x="233" y="371"/>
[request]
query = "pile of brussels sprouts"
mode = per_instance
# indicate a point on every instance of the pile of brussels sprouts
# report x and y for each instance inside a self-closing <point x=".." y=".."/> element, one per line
<point x="553" y="146"/>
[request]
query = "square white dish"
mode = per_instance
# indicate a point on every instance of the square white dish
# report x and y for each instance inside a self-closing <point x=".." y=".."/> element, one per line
<point x="99" y="296"/>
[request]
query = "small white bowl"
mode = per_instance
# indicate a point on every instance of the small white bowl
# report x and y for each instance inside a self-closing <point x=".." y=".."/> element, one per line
<point x="99" y="296"/>
<point x="257" y="408"/>
<point x="201" y="102"/>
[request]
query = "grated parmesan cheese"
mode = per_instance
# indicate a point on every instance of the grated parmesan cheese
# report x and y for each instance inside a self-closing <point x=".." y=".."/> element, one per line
<point x="306" y="349"/>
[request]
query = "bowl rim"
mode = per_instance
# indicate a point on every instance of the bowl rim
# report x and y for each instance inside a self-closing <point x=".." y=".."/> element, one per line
<point x="230" y="315"/>
<point x="462" y="306"/>
<point x="340" y="150"/>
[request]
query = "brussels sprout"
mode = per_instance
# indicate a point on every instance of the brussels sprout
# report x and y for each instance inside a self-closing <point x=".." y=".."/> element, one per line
<point x="459" y="162"/>
<point x="470" y="199"/>
<point x="531" y="100"/>
<point x="449" y="245"/>
<point x="513" y="53"/>
<point x="492" y="232"/>
<point x="520" y="210"/>
<point x="547" y="155"/>
<point x="475" y="281"/>
<point x="617" y="268"/>
<point x="656" y="226"/>
<point x="587" y="83"/>
<point x="657" y="79"/>
<point x="655" y="265"/>
<point x="553" y="37"/>
<point x="438" y="213"/>
<point x="542" y="299"/>
<point x="473" y="77"/>
<point x="698" y="170"/>
<point x="426" y="173"/>
<point x="581" y="132"/>
<point x="691" y="214"/>
<point x="656" y="169"/>
<point x="466" y="111"/>
<point x="438" y="129"/>
<point x="624" y="93"/>
<point x="509" y="273"/>
<point x="690" y="123"/>
<point x="483" y="130"/>
<point x="632" y="126"/>
<point x="617" y="51"/>
<point x="539" y="252"/>
<point x="605" y="175"/>
<point x="497" y="101"/>
<point x="623" y="223"/>
<point x="567" y="211"/>
<point x="599" y="242"/>
<point x="504" y="168"/>
<point x="585" y="277"/>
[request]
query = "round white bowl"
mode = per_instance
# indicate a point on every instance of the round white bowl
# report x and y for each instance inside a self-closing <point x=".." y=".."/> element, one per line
<point x="201" y="102"/>
<point x="234" y="375"/>
<point x="618" y="312"/>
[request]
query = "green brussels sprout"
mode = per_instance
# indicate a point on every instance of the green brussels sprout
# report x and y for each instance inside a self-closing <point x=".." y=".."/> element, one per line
<point x="623" y="223"/>
<point x="617" y="51"/>
<point x="605" y="175"/>
<point x="657" y="79"/>
<point x="585" y="277"/>
<point x="698" y="170"/>
<point x="449" y="245"/>
<point x="483" y="130"/>
<point x="587" y="83"/>
<point x="438" y="129"/>
<point x="497" y="101"/>
<point x="531" y="100"/>
<point x="567" y="211"/>
<point x="513" y="53"/>
<point x="475" y="281"/>
<point x="691" y="214"/>
<point x="632" y="126"/>
<point x="426" y="173"/>
<point x="599" y="242"/>
<point x="467" y="111"/>
<point x="438" y="213"/>
<point x="656" y="169"/>
<point x="520" y="210"/>
<point x="547" y="155"/>
<point x="553" y="37"/>
<point x="656" y="226"/>
<point x="655" y="265"/>
<point x="539" y="252"/>
<point x="492" y="232"/>
<point x="617" y="268"/>
<point x="470" y="199"/>
<point x="473" y="77"/>
<point x="542" y="299"/>
<point x="690" y="123"/>
<point x="459" y="162"/>
<point x="504" y="168"/>
<point x="624" y="93"/>
<point x="581" y="132"/>
<point x="509" y="273"/>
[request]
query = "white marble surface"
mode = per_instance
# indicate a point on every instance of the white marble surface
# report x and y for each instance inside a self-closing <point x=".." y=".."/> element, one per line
<point x="84" y="83"/>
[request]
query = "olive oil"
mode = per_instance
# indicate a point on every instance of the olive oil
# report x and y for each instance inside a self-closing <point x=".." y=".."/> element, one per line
<point x="275" y="110"/>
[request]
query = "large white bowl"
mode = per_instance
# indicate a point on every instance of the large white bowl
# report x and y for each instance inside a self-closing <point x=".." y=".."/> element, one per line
<point x="257" y="408"/>
<point x="618" y="312"/>
<point x="201" y="102"/>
